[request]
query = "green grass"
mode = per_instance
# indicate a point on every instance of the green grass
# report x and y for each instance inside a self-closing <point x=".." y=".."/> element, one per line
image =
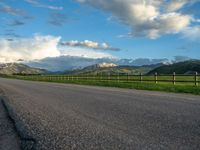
<point x="123" y="82"/>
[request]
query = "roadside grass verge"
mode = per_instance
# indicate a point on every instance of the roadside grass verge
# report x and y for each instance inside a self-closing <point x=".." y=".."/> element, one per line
<point x="151" y="86"/>
<point x="166" y="87"/>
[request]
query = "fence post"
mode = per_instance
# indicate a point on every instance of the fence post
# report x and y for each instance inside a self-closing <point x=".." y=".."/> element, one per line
<point x="65" y="77"/>
<point x="174" y="78"/>
<point x="100" y="76"/>
<point x="156" y="77"/>
<point x="196" y="78"/>
<point x="118" y="77"/>
<point x="108" y="77"/>
<point x="140" y="77"/>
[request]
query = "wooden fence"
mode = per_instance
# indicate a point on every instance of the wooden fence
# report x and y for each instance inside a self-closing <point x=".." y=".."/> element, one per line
<point x="156" y="78"/>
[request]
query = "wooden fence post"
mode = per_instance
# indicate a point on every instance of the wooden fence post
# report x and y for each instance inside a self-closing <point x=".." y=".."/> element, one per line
<point x="156" y="77"/>
<point x="65" y="77"/>
<point x="196" y="79"/>
<point x="109" y="76"/>
<point x="100" y="76"/>
<point x="140" y="77"/>
<point x="118" y="77"/>
<point x="174" y="78"/>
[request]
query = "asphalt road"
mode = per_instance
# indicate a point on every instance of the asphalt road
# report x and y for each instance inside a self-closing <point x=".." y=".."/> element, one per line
<point x="55" y="116"/>
<point x="9" y="139"/>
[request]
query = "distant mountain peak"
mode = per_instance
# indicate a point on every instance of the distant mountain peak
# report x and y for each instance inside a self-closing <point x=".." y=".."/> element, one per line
<point x="105" y="65"/>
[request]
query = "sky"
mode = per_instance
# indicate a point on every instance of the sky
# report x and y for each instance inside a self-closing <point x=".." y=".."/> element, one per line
<point x="36" y="29"/>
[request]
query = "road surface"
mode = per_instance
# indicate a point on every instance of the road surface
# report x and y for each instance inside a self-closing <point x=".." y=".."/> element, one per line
<point x="63" y="117"/>
<point x="9" y="139"/>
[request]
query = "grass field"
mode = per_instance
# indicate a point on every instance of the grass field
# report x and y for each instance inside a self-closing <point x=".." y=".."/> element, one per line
<point x="164" y="83"/>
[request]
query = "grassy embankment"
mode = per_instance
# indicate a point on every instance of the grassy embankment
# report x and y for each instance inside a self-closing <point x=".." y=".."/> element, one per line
<point x="130" y="82"/>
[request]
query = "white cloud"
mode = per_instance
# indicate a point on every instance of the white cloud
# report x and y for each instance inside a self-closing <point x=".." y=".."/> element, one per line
<point x="192" y="33"/>
<point x="150" y="18"/>
<point x="89" y="45"/>
<point x="86" y="53"/>
<point x="38" y="4"/>
<point x="176" y="4"/>
<point x="37" y="47"/>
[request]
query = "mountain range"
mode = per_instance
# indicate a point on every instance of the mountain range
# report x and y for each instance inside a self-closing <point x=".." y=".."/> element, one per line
<point x="185" y="67"/>
<point x="63" y="63"/>
<point x="15" y="68"/>
<point x="113" y="69"/>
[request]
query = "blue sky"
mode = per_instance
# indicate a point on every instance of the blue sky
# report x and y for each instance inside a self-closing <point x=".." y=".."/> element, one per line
<point x="99" y="28"/>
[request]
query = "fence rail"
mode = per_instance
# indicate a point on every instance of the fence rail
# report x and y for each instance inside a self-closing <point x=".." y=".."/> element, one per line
<point x="156" y="78"/>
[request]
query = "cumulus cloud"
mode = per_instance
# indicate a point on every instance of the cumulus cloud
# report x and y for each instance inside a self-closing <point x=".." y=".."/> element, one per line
<point x="150" y="18"/>
<point x="89" y="44"/>
<point x="37" y="47"/>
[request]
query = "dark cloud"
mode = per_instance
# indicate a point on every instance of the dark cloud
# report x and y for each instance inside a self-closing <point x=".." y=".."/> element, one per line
<point x="57" y="19"/>
<point x="16" y="23"/>
<point x="12" y="35"/>
<point x="9" y="30"/>
<point x="182" y="48"/>
<point x="20" y="60"/>
<point x="10" y="40"/>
